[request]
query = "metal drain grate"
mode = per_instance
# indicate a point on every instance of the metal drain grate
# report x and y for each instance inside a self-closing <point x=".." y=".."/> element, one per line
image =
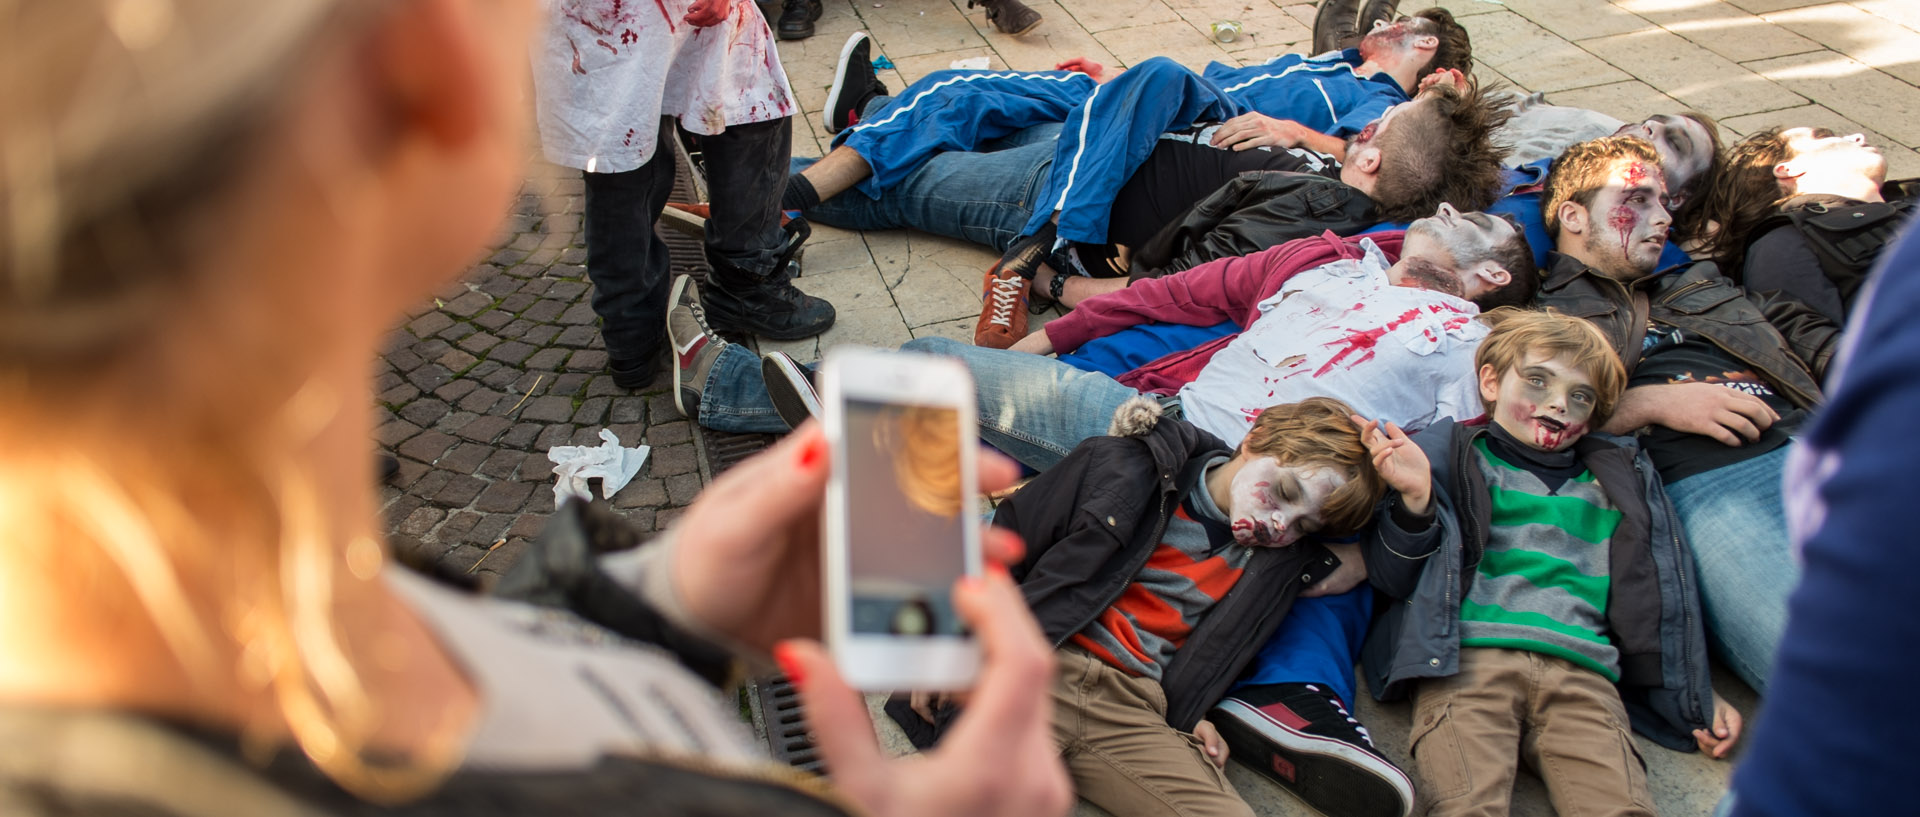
<point x="777" y="711"/>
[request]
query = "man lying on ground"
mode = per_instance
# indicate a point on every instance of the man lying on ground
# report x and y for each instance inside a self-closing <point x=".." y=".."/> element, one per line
<point x="1719" y="379"/>
<point x="1805" y="212"/>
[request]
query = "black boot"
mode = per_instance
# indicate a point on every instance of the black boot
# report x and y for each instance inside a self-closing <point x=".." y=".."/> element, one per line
<point x="797" y="18"/>
<point x="739" y="301"/>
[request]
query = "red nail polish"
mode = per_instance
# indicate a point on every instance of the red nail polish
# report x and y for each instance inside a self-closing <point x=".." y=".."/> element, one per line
<point x="998" y="569"/>
<point x="789" y="663"/>
<point x="813" y="452"/>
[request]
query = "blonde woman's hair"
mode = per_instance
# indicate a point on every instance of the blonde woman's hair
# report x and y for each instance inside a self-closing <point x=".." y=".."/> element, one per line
<point x="122" y="120"/>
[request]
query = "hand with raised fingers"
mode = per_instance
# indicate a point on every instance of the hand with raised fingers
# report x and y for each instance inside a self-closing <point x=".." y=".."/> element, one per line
<point x="997" y="759"/>
<point x="746" y="561"/>
<point x="1401" y="464"/>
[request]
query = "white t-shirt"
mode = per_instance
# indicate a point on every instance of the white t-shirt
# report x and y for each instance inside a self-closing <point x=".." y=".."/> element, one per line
<point x="1340" y="330"/>
<point x="606" y="71"/>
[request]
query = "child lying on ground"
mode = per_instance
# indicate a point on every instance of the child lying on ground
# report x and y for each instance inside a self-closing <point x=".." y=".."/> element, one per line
<point x="1549" y="591"/>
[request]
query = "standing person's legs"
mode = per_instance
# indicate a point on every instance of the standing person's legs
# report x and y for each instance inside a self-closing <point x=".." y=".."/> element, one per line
<point x="1466" y="733"/>
<point x="751" y="289"/>
<point x="1032" y="407"/>
<point x="628" y="263"/>
<point x="1735" y="519"/>
<point x="1113" y="733"/>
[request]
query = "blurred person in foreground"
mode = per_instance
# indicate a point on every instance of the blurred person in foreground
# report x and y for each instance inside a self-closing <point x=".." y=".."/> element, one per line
<point x="211" y="211"/>
<point x="1850" y="625"/>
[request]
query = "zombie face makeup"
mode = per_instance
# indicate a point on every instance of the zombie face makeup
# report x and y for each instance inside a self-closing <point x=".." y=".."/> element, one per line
<point x="1821" y="152"/>
<point x="1545" y="402"/>
<point x="1685" y="147"/>
<point x="1462" y="244"/>
<point x="1273" y="505"/>
<point x="1627" y="221"/>
<point x="1398" y="35"/>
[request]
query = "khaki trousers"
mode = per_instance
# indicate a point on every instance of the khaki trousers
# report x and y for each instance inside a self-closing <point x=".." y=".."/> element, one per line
<point x="1565" y="721"/>
<point x="1113" y="734"/>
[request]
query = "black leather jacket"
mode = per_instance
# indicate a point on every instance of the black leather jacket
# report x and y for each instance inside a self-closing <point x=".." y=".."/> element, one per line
<point x="1782" y="339"/>
<point x="1254" y="211"/>
<point x="1091" y="522"/>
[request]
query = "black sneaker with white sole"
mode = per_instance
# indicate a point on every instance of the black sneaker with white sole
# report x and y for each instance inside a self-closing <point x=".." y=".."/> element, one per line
<point x="790" y="385"/>
<point x="1302" y="737"/>
<point x="854" y="82"/>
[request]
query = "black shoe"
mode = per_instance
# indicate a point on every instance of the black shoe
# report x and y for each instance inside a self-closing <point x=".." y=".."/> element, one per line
<point x="632" y="374"/>
<point x="741" y="302"/>
<point x="853" y="83"/>
<point x="791" y="387"/>
<point x="1302" y="737"/>
<point x="797" y="18"/>
<point x="1009" y="16"/>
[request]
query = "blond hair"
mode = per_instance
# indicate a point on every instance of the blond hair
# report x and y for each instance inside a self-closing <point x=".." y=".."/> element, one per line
<point x="1520" y="333"/>
<point x="125" y="122"/>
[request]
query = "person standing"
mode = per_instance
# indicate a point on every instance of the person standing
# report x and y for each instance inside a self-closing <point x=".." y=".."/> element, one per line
<point x="614" y="82"/>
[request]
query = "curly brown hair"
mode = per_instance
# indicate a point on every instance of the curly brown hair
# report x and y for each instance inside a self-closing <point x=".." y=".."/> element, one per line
<point x="1442" y="149"/>
<point x="1456" y="47"/>
<point x="1319" y="432"/>
<point x="1580" y="173"/>
<point x="1743" y="193"/>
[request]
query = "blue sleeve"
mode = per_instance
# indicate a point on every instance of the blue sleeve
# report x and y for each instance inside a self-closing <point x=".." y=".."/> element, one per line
<point x="1836" y="731"/>
<point x="1371" y="102"/>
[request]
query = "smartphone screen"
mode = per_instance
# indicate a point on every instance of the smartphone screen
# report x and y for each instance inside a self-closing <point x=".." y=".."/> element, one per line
<point x="906" y="518"/>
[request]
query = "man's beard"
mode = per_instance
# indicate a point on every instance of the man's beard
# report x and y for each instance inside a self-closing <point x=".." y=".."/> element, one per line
<point x="1430" y="276"/>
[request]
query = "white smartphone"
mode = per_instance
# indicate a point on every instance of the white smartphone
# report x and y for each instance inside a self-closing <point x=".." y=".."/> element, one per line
<point x="900" y="525"/>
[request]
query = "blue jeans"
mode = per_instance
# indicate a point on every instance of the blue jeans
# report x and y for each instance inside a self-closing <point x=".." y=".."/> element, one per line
<point x="985" y="197"/>
<point x="734" y="396"/>
<point x="1032" y="407"/>
<point x="1736" y="521"/>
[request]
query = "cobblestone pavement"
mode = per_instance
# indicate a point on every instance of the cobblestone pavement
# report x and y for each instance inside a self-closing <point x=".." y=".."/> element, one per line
<point x="479" y="383"/>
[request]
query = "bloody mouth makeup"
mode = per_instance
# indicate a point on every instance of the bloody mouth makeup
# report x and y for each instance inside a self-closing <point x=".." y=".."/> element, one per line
<point x="1274" y="505"/>
<point x="1546" y="403"/>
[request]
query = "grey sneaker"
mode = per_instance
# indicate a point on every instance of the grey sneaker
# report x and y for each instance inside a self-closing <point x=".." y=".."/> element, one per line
<point x="791" y="387"/>
<point x="695" y="346"/>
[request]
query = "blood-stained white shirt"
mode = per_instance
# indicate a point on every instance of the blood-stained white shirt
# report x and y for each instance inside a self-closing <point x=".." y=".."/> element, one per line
<point x="1341" y="330"/>
<point x="606" y="71"/>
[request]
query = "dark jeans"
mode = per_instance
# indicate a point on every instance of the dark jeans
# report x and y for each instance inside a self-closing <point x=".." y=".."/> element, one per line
<point x="746" y="173"/>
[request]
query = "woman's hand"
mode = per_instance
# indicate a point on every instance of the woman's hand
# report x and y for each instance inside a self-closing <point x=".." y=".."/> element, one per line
<point x="997" y="758"/>
<point x="747" y="558"/>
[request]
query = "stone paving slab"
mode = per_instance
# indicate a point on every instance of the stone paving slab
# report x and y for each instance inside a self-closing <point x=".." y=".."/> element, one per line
<point x="476" y="385"/>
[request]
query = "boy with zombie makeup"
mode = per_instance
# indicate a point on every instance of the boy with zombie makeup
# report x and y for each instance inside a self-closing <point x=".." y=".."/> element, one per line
<point x="1549" y="591"/>
<point x="1158" y="561"/>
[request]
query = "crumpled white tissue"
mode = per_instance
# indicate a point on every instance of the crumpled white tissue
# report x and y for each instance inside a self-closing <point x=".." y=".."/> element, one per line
<point x="575" y="464"/>
<point x="969" y="64"/>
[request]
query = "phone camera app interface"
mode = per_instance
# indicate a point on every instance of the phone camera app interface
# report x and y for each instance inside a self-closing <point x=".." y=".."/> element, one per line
<point x="905" y="541"/>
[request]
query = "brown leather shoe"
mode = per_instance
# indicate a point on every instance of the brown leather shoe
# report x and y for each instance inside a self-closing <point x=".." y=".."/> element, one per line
<point x="1009" y="16"/>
